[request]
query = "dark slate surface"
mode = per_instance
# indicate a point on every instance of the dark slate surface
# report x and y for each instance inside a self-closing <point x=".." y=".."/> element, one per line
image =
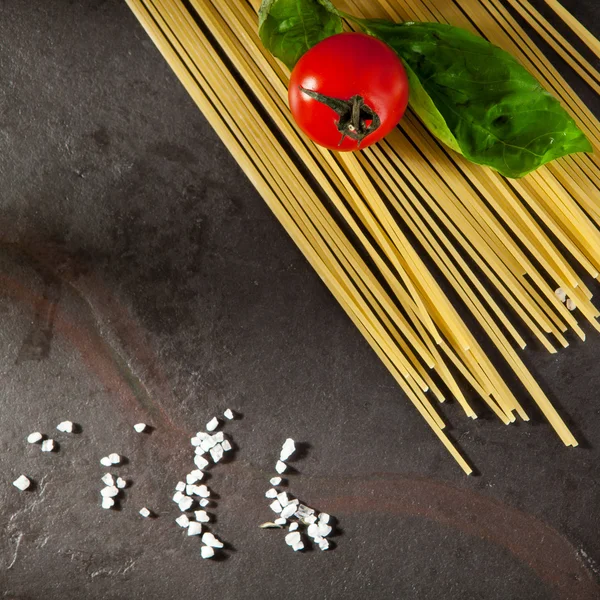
<point x="143" y="278"/>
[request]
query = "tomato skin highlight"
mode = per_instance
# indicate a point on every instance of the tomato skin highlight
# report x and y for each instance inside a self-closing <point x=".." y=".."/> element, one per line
<point x="343" y="66"/>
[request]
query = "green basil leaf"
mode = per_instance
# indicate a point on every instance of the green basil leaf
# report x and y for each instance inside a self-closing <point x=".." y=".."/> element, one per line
<point x="478" y="99"/>
<point x="288" y="28"/>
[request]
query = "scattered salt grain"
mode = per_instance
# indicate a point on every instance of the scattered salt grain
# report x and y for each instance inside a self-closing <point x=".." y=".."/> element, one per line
<point x="22" y="482"/>
<point x="196" y="441"/>
<point x="280" y="467"/>
<point x="219" y="437"/>
<point x="226" y="446"/>
<point x="571" y="305"/>
<point x="298" y="546"/>
<point x="210" y="540"/>
<point x="48" y="446"/>
<point x="182" y="521"/>
<point x="121" y="483"/>
<point x="185" y="503"/>
<point x="313" y="530"/>
<point x="202" y="435"/>
<point x="194" y="528"/>
<point x="310" y="519"/>
<point x="293" y="538"/>
<point x="207" y="552"/>
<point x="324" y="517"/>
<point x="145" y="512"/>
<point x="324" y="544"/>
<point x="324" y="529"/>
<point x="293" y="526"/>
<point x="272" y="493"/>
<point x="204" y="502"/>
<point x="114" y="458"/>
<point x="275" y="480"/>
<point x="178" y="497"/>
<point x="180" y="486"/>
<point x="208" y="443"/>
<point x="275" y="506"/>
<point x="560" y="294"/>
<point x="65" y="427"/>
<point x="283" y="498"/>
<point x="212" y="424"/>
<point x="228" y="414"/>
<point x="202" y="516"/>
<point x="194" y="476"/>
<point x="110" y="491"/>
<point x="203" y="491"/>
<point x="106" y="462"/>
<point x="280" y="521"/>
<point x="108" y="479"/>
<point x="200" y="462"/>
<point x="217" y="453"/>
<point x="288" y="448"/>
<point x="140" y="427"/>
<point x="35" y="437"/>
<point x="107" y="502"/>
<point x="199" y="450"/>
<point x="288" y="511"/>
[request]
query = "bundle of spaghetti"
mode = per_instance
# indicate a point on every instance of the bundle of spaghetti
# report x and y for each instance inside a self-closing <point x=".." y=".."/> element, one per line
<point x="356" y="217"/>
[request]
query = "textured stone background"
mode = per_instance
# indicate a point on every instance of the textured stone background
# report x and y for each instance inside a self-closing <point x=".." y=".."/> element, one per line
<point x="143" y="278"/>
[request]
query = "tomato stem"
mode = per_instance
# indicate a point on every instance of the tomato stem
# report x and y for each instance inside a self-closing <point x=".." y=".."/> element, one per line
<point x="353" y="113"/>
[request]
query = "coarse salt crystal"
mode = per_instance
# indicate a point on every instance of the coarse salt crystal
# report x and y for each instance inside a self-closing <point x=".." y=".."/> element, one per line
<point x="293" y="538"/>
<point x="183" y="521"/>
<point x="194" y="528"/>
<point x="275" y="506"/>
<point x="105" y="462"/>
<point x="216" y="453"/>
<point x="202" y="516"/>
<point x="210" y="540"/>
<point x="22" y="482"/>
<point x="207" y="552"/>
<point x="199" y="450"/>
<point x="310" y="519"/>
<point x="280" y="521"/>
<point x="203" y="491"/>
<point x="190" y="489"/>
<point x="219" y="437"/>
<point x="35" y="437"/>
<point x="121" y="483"/>
<point x="196" y="441"/>
<point x="283" y="498"/>
<point x="293" y="526"/>
<point x="180" y="486"/>
<point x="324" y="529"/>
<point x="194" y="476"/>
<point x="200" y="462"/>
<point x="108" y="479"/>
<point x="204" y="502"/>
<point x="140" y="427"/>
<point x="228" y="414"/>
<point x="145" y="512"/>
<point x="275" y="480"/>
<point x="571" y="305"/>
<point x="288" y="448"/>
<point x="288" y="511"/>
<point x="324" y="544"/>
<point x="202" y="435"/>
<point x="110" y="491"/>
<point x="208" y="443"/>
<point x="324" y="517"/>
<point x="114" y="458"/>
<point x="185" y="503"/>
<point x="226" y="446"/>
<point x="212" y="424"/>
<point x="178" y="497"/>
<point x="313" y="530"/>
<point x="298" y="546"/>
<point x="272" y="493"/>
<point x="280" y="467"/>
<point x="560" y="294"/>
<point x="65" y="427"/>
<point x="47" y="445"/>
<point x="107" y="502"/>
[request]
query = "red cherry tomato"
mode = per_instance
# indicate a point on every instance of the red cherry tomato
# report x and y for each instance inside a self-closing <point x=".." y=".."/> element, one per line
<point x="348" y="91"/>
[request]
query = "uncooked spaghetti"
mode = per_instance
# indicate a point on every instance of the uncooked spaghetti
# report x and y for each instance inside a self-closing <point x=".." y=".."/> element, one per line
<point x="407" y="234"/>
